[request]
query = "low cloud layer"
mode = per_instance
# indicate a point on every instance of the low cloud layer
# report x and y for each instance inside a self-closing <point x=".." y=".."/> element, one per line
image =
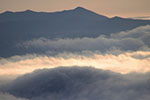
<point x="142" y="18"/>
<point x="123" y="52"/>
<point x="132" y="40"/>
<point x="122" y="63"/>
<point x="81" y="83"/>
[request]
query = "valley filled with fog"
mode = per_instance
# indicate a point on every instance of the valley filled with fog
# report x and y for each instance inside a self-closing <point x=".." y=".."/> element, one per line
<point x="73" y="55"/>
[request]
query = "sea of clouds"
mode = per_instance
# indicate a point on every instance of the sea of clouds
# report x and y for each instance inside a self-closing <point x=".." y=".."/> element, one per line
<point x="119" y="68"/>
<point x="131" y="40"/>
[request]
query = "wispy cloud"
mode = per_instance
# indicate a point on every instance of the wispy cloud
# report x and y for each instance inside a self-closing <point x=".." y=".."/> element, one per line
<point x="133" y="40"/>
<point x="122" y="63"/>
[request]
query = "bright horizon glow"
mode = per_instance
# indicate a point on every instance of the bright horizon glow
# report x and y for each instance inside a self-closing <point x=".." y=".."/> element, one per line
<point x="122" y="63"/>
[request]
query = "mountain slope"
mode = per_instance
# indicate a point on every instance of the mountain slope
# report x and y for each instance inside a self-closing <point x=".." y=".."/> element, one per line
<point x="79" y="22"/>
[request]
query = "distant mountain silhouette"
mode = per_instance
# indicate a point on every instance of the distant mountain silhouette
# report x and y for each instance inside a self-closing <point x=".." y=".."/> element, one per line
<point x="78" y="22"/>
<point x="78" y="13"/>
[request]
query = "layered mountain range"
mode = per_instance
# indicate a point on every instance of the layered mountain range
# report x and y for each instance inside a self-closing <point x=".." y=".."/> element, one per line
<point x="16" y="27"/>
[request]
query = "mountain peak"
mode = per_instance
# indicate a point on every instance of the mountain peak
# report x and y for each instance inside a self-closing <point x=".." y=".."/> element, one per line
<point x="117" y="18"/>
<point x="79" y="8"/>
<point x="28" y="11"/>
<point x="7" y="12"/>
<point x="88" y="13"/>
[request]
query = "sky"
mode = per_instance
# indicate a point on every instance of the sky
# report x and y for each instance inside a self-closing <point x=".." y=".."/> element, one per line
<point x="110" y="8"/>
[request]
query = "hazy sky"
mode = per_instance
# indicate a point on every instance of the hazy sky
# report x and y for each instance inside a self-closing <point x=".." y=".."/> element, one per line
<point x="124" y="8"/>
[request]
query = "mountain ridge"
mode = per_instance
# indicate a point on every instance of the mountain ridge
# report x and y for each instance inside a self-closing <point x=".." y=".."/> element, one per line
<point x="78" y="11"/>
<point x="75" y="23"/>
<point x="28" y="10"/>
<point x="79" y="8"/>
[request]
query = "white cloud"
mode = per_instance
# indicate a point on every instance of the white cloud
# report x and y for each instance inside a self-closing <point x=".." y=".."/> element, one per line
<point x="133" y="40"/>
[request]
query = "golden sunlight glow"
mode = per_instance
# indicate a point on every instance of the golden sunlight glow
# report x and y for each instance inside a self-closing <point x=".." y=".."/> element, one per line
<point x="123" y="63"/>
